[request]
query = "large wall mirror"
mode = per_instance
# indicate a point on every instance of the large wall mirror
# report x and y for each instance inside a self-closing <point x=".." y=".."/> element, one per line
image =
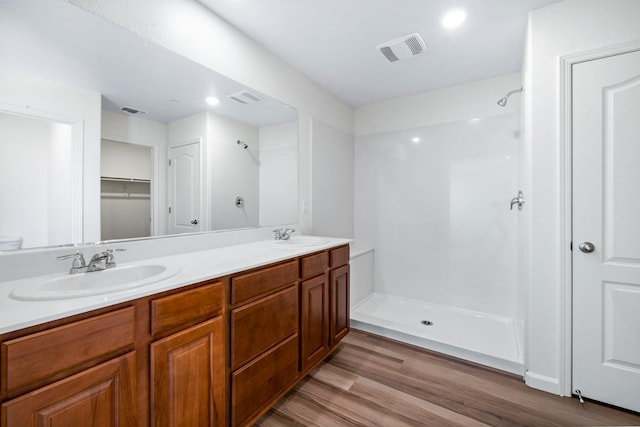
<point x="104" y="135"/>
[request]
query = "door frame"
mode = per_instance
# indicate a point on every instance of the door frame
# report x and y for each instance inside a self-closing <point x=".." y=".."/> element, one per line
<point x="565" y="123"/>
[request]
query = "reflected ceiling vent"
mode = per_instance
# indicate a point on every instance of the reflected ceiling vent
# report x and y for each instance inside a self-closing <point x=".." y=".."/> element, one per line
<point x="403" y="47"/>
<point x="132" y="110"/>
<point x="245" y="97"/>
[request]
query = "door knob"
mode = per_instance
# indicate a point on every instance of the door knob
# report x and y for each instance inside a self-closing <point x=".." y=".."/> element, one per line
<point x="587" y="247"/>
<point x="194" y="222"/>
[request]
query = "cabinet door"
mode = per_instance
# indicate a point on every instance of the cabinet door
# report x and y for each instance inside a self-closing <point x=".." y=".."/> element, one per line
<point x="187" y="377"/>
<point x="314" y="333"/>
<point x="101" y="396"/>
<point x="339" y="304"/>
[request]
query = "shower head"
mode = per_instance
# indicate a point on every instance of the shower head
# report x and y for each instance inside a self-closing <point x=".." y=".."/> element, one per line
<point x="242" y="144"/>
<point x="504" y="99"/>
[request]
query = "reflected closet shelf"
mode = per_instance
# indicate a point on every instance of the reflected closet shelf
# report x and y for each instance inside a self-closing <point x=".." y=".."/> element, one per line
<point x="113" y="179"/>
<point x="125" y="196"/>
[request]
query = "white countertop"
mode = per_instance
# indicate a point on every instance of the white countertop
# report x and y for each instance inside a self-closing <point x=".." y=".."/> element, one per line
<point x="194" y="267"/>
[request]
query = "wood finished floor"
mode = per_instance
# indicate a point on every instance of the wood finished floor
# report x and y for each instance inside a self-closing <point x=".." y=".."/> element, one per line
<point x="371" y="381"/>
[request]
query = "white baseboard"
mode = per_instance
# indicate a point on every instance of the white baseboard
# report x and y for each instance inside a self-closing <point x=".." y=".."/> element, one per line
<point x="542" y="382"/>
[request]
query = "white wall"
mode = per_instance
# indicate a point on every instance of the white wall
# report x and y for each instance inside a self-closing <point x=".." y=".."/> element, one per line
<point x="332" y="181"/>
<point x="59" y="182"/>
<point x="452" y="104"/>
<point x="278" y="174"/>
<point x="436" y="210"/>
<point x="81" y="110"/>
<point x="562" y="29"/>
<point x="233" y="172"/>
<point x="121" y="160"/>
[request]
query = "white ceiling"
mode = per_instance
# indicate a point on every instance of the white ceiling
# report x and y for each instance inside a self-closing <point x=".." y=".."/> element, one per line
<point x="62" y="43"/>
<point x="334" y="41"/>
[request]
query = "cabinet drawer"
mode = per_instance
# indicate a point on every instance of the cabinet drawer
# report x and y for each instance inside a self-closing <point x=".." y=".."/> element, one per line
<point x="259" y="383"/>
<point x="259" y="325"/>
<point x="102" y="395"/>
<point x="339" y="256"/>
<point x="46" y="355"/>
<point x="314" y="265"/>
<point x="248" y="286"/>
<point x="186" y="308"/>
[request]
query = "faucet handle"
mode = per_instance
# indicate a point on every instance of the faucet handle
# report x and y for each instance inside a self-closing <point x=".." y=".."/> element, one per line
<point x="278" y="235"/>
<point x="110" y="262"/>
<point x="78" y="258"/>
<point x="79" y="264"/>
<point x="286" y="234"/>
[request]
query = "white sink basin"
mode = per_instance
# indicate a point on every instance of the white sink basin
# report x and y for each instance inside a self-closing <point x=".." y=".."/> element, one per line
<point x="302" y="241"/>
<point x="95" y="283"/>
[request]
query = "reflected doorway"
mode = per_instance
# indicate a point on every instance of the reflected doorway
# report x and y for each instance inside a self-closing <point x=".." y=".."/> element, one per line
<point x="184" y="188"/>
<point x="125" y="185"/>
<point x="40" y="180"/>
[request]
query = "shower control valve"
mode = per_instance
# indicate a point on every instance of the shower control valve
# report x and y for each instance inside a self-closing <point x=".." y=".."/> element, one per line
<point x="518" y="200"/>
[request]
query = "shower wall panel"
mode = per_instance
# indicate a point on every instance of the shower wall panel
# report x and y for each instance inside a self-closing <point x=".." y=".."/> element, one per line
<point x="434" y="202"/>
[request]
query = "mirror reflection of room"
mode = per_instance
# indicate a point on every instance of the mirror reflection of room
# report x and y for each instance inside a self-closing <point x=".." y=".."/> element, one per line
<point x="121" y="99"/>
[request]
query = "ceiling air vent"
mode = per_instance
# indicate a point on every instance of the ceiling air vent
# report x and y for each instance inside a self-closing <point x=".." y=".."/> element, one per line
<point x="132" y="110"/>
<point x="245" y="97"/>
<point x="403" y="47"/>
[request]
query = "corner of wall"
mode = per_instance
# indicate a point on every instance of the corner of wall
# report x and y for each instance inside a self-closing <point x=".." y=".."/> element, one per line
<point x="543" y="382"/>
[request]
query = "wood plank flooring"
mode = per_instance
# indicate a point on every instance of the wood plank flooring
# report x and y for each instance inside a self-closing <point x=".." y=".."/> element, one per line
<point x="372" y="381"/>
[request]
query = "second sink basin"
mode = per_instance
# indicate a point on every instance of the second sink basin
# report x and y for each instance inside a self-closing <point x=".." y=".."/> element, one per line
<point x="96" y="283"/>
<point x="302" y="241"/>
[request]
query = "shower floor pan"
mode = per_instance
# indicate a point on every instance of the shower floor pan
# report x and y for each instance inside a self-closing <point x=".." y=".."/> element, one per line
<point x="478" y="337"/>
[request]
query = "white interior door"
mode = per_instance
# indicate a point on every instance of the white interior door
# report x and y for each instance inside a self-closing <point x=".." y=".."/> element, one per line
<point x="184" y="188"/>
<point x="606" y="213"/>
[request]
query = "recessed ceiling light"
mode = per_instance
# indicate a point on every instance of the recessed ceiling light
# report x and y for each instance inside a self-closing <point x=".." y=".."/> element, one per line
<point x="415" y="139"/>
<point x="453" y="18"/>
<point x="212" y="100"/>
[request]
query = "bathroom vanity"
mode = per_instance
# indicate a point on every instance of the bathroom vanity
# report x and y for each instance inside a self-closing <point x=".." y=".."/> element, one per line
<point x="215" y="351"/>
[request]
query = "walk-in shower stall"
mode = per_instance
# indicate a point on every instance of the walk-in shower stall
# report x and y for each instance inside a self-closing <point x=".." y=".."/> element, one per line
<point x="434" y="204"/>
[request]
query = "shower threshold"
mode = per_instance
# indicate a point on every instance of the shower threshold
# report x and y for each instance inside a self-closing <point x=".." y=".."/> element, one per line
<point x="475" y="336"/>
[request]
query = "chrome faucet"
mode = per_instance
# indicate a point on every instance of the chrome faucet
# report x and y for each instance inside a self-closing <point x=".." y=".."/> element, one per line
<point x="78" y="265"/>
<point x="518" y="200"/>
<point x="102" y="260"/>
<point x="283" y="233"/>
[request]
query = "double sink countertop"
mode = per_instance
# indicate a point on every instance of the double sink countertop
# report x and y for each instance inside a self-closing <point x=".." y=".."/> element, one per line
<point x="193" y="267"/>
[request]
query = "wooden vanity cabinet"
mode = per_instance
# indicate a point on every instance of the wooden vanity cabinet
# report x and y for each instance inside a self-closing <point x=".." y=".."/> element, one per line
<point x="80" y="371"/>
<point x="215" y="353"/>
<point x="157" y="360"/>
<point x="314" y="310"/>
<point x="263" y="341"/>
<point x="187" y="367"/>
<point x="339" y="295"/>
<point x="324" y="304"/>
